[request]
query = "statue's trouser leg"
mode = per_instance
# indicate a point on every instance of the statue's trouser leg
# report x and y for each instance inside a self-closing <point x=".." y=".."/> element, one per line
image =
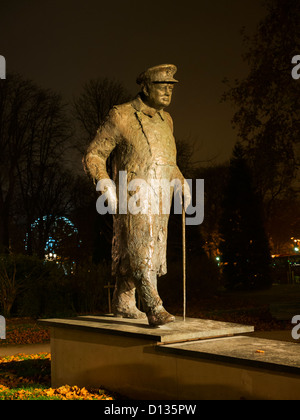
<point x="146" y="285"/>
<point x="124" y="302"/>
<point x="124" y="293"/>
<point x="152" y="303"/>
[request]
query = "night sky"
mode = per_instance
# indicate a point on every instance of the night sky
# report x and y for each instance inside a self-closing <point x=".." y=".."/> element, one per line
<point x="61" y="44"/>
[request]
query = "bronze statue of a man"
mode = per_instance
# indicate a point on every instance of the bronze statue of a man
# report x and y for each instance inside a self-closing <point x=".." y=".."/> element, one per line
<point x="140" y="133"/>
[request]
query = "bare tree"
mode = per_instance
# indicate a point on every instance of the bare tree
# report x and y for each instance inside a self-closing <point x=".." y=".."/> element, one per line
<point x="16" y="107"/>
<point x="9" y="287"/>
<point x="33" y="135"/>
<point x="44" y="183"/>
<point x="93" y="104"/>
<point x="44" y="205"/>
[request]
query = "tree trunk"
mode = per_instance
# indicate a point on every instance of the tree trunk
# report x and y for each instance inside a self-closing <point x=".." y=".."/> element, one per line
<point x="4" y="230"/>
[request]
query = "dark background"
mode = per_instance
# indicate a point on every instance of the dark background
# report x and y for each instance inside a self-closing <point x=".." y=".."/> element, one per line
<point x="61" y="44"/>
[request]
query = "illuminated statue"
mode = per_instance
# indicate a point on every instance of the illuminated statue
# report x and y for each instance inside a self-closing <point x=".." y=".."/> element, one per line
<point x="140" y="133"/>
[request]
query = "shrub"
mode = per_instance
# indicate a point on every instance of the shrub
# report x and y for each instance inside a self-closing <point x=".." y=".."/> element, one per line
<point x="88" y="291"/>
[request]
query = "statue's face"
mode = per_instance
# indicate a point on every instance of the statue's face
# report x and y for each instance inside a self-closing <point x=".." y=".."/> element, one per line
<point x="159" y="95"/>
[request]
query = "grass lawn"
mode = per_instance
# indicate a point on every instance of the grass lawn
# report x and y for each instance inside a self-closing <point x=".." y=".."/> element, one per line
<point x="27" y="377"/>
<point x="24" y="331"/>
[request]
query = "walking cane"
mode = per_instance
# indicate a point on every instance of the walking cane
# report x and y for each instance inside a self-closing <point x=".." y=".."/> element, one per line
<point x="184" y="262"/>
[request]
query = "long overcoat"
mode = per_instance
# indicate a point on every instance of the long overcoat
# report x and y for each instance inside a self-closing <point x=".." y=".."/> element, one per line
<point x="141" y="139"/>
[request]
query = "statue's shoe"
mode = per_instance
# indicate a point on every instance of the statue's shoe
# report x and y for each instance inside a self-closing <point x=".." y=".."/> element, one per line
<point x="133" y="313"/>
<point x="159" y="316"/>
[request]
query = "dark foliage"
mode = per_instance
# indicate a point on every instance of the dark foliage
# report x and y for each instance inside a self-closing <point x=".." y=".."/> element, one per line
<point x="244" y="246"/>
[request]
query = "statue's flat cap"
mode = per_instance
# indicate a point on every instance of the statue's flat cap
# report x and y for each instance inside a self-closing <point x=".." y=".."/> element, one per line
<point x="163" y="73"/>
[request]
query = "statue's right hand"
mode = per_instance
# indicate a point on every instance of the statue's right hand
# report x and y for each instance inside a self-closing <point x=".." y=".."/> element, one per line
<point x="112" y="199"/>
<point x="108" y="187"/>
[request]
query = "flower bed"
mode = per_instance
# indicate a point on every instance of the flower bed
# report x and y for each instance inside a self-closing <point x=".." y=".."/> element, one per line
<point x="27" y="377"/>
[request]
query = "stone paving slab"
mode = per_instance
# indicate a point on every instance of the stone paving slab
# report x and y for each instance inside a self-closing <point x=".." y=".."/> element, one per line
<point x="253" y="351"/>
<point x="190" y="329"/>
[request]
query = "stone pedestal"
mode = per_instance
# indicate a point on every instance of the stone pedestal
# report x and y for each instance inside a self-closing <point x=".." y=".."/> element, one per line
<point x="190" y="329"/>
<point x="182" y="360"/>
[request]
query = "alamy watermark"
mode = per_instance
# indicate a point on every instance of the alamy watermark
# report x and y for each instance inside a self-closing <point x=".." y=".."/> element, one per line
<point x="296" y="69"/>
<point x="296" y="329"/>
<point x="2" y="328"/>
<point x="151" y="197"/>
<point x="2" y="67"/>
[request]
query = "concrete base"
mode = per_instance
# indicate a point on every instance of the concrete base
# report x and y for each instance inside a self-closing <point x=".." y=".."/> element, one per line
<point x="128" y="357"/>
<point x="190" y="329"/>
<point x="237" y="368"/>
